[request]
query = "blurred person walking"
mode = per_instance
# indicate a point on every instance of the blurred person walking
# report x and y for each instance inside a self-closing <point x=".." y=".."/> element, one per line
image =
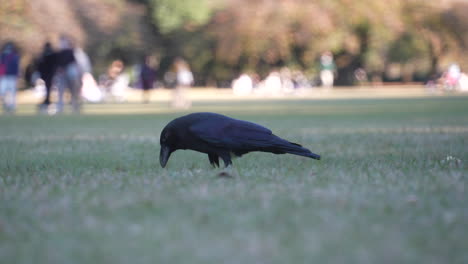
<point x="148" y="76"/>
<point x="184" y="81"/>
<point x="68" y="75"/>
<point x="452" y="77"/>
<point x="9" y="71"/>
<point x="46" y="68"/>
<point x="327" y="69"/>
<point x="90" y="90"/>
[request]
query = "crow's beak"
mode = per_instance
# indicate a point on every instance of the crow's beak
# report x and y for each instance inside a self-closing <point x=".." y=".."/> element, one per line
<point x="164" y="155"/>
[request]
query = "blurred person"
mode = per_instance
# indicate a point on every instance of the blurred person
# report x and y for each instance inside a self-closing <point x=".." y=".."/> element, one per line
<point x="68" y="75"/>
<point x="120" y="86"/>
<point x="46" y="68"/>
<point x="452" y="76"/>
<point x="106" y="80"/>
<point x="147" y="76"/>
<point x="82" y="60"/>
<point x="327" y="69"/>
<point x="184" y="79"/>
<point x="9" y="72"/>
<point x="90" y="91"/>
<point x="361" y="76"/>
<point x="300" y="80"/>
<point x="114" y="83"/>
<point x="273" y="83"/>
<point x="242" y="85"/>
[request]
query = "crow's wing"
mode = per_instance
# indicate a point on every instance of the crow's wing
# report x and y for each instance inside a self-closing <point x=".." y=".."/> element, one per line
<point x="232" y="134"/>
<point x="241" y="137"/>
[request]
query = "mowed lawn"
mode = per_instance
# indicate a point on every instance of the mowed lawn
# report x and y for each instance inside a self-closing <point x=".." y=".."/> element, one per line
<point x="392" y="186"/>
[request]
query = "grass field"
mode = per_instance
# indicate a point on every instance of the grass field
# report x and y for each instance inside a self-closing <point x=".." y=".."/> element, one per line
<point x="391" y="186"/>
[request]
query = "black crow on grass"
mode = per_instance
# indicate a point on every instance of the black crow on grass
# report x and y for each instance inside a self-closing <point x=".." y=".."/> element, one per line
<point x="220" y="136"/>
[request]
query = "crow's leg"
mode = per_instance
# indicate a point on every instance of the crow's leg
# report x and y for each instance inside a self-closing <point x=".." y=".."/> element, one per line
<point x="227" y="159"/>
<point x="229" y="169"/>
<point x="214" y="159"/>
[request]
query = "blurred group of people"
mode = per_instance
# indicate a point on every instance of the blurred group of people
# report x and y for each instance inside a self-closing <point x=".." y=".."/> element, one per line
<point x="69" y="69"/>
<point x="116" y="81"/>
<point x="113" y="85"/>
<point x="62" y="67"/>
<point x="452" y="80"/>
<point x="66" y="69"/>
<point x="285" y="80"/>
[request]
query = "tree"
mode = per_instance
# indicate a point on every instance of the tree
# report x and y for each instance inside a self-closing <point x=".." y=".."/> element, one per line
<point x="432" y="24"/>
<point x="169" y="16"/>
<point x="263" y="34"/>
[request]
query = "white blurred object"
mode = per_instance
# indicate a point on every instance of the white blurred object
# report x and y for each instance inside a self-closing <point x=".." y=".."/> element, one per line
<point x="242" y="85"/>
<point x="82" y="60"/>
<point x="452" y="77"/>
<point x="90" y="90"/>
<point x="120" y="86"/>
<point x="184" y="77"/>
<point x="327" y="78"/>
<point x="39" y="88"/>
<point x="273" y="83"/>
<point x="463" y="82"/>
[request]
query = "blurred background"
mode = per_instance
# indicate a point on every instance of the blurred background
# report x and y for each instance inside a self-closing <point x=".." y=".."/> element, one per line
<point x="221" y="41"/>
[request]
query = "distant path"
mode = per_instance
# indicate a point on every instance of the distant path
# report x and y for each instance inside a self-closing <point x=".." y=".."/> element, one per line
<point x="208" y="94"/>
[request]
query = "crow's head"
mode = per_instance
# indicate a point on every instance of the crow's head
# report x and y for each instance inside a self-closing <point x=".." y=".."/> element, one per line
<point x="168" y="143"/>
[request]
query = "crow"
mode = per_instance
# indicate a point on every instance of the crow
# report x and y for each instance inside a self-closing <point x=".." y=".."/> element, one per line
<point x="222" y="137"/>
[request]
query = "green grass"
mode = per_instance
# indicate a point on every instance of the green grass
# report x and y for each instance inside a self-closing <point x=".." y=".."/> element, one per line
<point x="391" y="187"/>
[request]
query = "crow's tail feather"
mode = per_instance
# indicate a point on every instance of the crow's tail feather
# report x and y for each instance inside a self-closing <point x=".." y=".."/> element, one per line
<point x="304" y="152"/>
<point x="296" y="149"/>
